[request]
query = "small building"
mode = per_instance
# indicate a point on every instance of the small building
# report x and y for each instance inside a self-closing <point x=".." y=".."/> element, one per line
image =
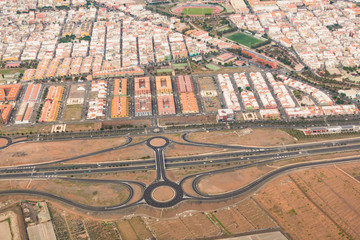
<point x="225" y="58"/>
<point x="270" y="113"/>
<point x="197" y="58"/>
<point x="331" y="130"/>
<point x="225" y="115"/>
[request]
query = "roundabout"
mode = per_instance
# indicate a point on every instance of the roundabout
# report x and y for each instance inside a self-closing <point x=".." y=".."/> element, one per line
<point x="163" y="194"/>
<point x="157" y="142"/>
<point x="155" y="199"/>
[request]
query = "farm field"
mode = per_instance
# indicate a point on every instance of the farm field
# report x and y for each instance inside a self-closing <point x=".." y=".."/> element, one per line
<point x="197" y="11"/>
<point x="244" y="39"/>
<point x="326" y="195"/>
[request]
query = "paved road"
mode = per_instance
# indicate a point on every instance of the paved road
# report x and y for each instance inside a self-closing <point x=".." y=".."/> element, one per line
<point x="248" y="154"/>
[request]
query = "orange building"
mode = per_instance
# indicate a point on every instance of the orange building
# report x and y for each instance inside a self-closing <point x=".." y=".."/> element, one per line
<point x="52" y="104"/>
<point x="163" y="84"/>
<point x="259" y="58"/>
<point x="142" y="86"/>
<point x="5" y="110"/>
<point x="120" y="101"/>
<point x="166" y="104"/>
<point x="9" y="92"/>
<point x="189" y="103"/>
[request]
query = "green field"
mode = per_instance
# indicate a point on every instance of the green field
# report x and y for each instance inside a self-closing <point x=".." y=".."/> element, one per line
<point x="244" y="39"/>
<point x="167" y="70"/>
<point x="179" y="65"/>
<point x="212" y="67"/>
<point x="197" y="11"/>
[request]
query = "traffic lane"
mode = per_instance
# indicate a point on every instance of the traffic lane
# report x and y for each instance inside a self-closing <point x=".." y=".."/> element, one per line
<point x="262" y="180"/>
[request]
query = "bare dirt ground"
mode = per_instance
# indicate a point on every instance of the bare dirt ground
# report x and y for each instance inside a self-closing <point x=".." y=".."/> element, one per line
<point x="163" y="193"/>
<point x="315" y="158"/>
<point x="187" y="226"/>
<point x="158" y="142"/>
<point x="36" y="152"/>
<point x="83" y="126"/>
<point x="134" y="228"/>
<point x="258" y="137"/>
<point x="168" y="121"/>
<point x="319" y="203"/>
<point x="3" y="142"/>
<point x="95" y="194"/>
<point x="229" y="181"/>
<point x="14" y="129"/>
<point x="9" y="227"/>
<point x="352" y="169"/>
<point x="175" y="150"/>
<point x="129" y="153"/>
<point x="243" y="217"/>
<point x="145" y="177"/>
<point x="336" y="193"/>
<point x="124" y="122"/>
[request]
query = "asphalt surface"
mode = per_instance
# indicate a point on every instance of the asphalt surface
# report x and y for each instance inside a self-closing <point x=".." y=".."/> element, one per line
<point x="161" y="179"/>
<point x="245" y="154"/>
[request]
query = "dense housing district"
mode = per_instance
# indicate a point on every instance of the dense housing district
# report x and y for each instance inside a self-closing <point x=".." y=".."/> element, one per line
<point x="260" y="94"/>
<point x="90" y="60"/>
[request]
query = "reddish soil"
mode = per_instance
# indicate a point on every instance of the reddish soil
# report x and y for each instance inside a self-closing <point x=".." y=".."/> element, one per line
<point x="158" y="142"/>
<point x="144" y="177"/>
<point x="318" y="203"/>
<point x="243" y="217"/>
<point x="336" y="193"/>
<point x="3" y="142"/>
<point x="95" y="194"/>
<point x="36" y="152"/>
<point x="134" y="228"/>
<point x="169" y="120"/>
<point x="316" y="158"/>
<point x="258" y="137"/>
<point x="174" y="150"/>
<point x="163" y="194"/>
<point x="187" y="226"/>
<point x="130" y="153"/>
<point x="229" y="181"/>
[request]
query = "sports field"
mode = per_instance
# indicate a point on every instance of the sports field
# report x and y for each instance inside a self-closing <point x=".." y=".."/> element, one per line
<point x="197" y="11"/>
<point x="244" y="39"/>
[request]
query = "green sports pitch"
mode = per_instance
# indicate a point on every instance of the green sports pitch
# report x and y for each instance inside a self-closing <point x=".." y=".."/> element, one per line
<point x="244" y="39"/>
<point x="197" y="11"/>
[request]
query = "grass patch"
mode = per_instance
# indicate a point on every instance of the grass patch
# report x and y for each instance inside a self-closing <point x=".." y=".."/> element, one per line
<point x="167" y="70"/>
<point x="73" y="112"/>
<point x="12" y="70"/>
<point x="244" y="39"/>
<point x="179" y="65"/>
<point x="212" y="67"/>
<point x="197" y="11"/>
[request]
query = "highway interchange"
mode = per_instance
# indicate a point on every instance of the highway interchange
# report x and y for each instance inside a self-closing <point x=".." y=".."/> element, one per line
<point x="237" y="157"/>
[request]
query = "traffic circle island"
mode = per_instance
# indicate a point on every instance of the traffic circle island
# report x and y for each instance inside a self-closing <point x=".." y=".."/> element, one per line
<point x="157" y="142"/>
<point x="163" y="194"/>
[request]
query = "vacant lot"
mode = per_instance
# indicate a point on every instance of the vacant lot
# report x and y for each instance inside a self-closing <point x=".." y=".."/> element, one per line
<point x="229" y="181"/>
<point x="209" y="95"/>
<point x="244" y="39"/>
<point x="135" y="152"/>
<point x="243" y="217"/>
<point x="73" y="112"/>
<point x="95" y="194"/>
<point x="134" y="228"/>
<point x="36" y="152"/>
<point x="319" y="203"/>
<point x="256" y="137"/>
<point x="187" y="226"/>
